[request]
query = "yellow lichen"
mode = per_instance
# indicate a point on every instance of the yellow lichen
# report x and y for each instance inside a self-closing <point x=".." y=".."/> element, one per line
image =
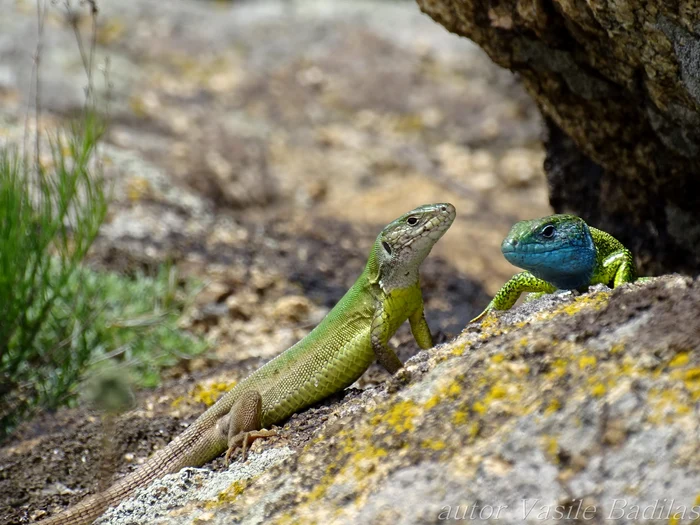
<point x="365" y="460"/>
<point x="692" y="374"/>
<point x="452" y="390"/>
<point x="586" y="361"/>
<point x="229" y="495"/>
<point x="479" y="407"/>
<point x="474" y="429"/>
<point x="399" y="416"/>
<point x="617" y="348"/>
<point x="433" y="401"/>
<point x="598" y="390"/>
<point x="680" y="359"/>
<point x="497" y="392"/>
<point x="553" y="406"/>
<point x="459" y="417"/>
<point x="489" y="321"/>
<point x="210" y="394"/>
<point x="433" y="444"/>
<point x="552" y="448"/>
<point x="557" y="369"/>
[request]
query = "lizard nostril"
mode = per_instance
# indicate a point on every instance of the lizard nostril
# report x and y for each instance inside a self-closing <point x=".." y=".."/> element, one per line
<point x="443" y="208"/>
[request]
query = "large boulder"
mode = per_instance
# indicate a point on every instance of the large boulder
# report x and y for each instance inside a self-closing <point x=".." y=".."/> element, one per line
<point x="566" y="406"/>
<point x="619" y="85"/>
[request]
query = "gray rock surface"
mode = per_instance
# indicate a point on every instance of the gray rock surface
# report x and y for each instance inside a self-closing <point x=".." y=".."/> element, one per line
<point x="567" y="407"/>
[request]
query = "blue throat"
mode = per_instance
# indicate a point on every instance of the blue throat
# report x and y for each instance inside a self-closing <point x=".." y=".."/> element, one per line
<point x="567" y="267"/>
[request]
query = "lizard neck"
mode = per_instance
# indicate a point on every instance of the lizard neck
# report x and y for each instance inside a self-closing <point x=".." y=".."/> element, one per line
<point x="394" y="274"/>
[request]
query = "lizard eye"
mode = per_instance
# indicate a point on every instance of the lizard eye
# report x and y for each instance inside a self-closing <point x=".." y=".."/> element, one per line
<point x="548" y="231"/>
<point x="412" y="221"/>
<point x="386" y="247"/>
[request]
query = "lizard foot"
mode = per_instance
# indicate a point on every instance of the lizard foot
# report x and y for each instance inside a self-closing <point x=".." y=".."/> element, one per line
<point x="243" y="440"/>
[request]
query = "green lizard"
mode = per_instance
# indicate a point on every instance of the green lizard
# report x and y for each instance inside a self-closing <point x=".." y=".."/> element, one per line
<point x="560" y="252"/>
<point x="336" y="353"/>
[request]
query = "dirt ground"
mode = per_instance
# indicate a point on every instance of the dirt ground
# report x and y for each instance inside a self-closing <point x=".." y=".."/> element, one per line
<point x="261" y="147"/>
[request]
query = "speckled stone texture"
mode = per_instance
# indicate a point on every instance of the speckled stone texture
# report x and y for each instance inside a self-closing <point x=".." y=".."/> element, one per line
<point x="619" y="83"/>
<point x="568" y="406"/>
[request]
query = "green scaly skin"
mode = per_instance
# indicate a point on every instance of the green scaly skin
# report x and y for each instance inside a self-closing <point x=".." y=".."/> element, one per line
<point x="560" y="252"/>
<point x="330" y="358"/>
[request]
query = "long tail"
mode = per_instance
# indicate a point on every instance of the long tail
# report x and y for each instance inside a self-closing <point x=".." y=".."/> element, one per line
<point x="194" y="447"/>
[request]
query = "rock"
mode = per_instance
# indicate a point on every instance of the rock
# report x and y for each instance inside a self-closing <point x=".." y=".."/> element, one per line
<point x="546" y="409"/>
<point x="619" y="85"/>
<point x="294" y="308"/>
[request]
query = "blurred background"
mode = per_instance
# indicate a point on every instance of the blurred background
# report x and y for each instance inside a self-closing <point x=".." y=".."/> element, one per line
<point x="258" y="147"/>
<point x="247" y="155"/>
<point x="252" y="152"/>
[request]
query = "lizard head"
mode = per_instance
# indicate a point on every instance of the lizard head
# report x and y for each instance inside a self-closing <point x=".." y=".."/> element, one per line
<point x="402" y="245"/>
<point x="557" y="248"/>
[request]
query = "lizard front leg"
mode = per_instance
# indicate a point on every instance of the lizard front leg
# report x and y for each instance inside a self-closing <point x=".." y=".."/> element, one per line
<point x="420" y="329"/>
<point x="243" y="424"/>
<point x="510" y="292"/>
<point x="380" y="333"/>
<point x="618" y="268"/>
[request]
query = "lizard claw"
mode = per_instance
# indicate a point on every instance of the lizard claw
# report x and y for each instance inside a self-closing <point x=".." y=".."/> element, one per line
<point x="230" y="452"/>
<point x="243" y="440"/>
